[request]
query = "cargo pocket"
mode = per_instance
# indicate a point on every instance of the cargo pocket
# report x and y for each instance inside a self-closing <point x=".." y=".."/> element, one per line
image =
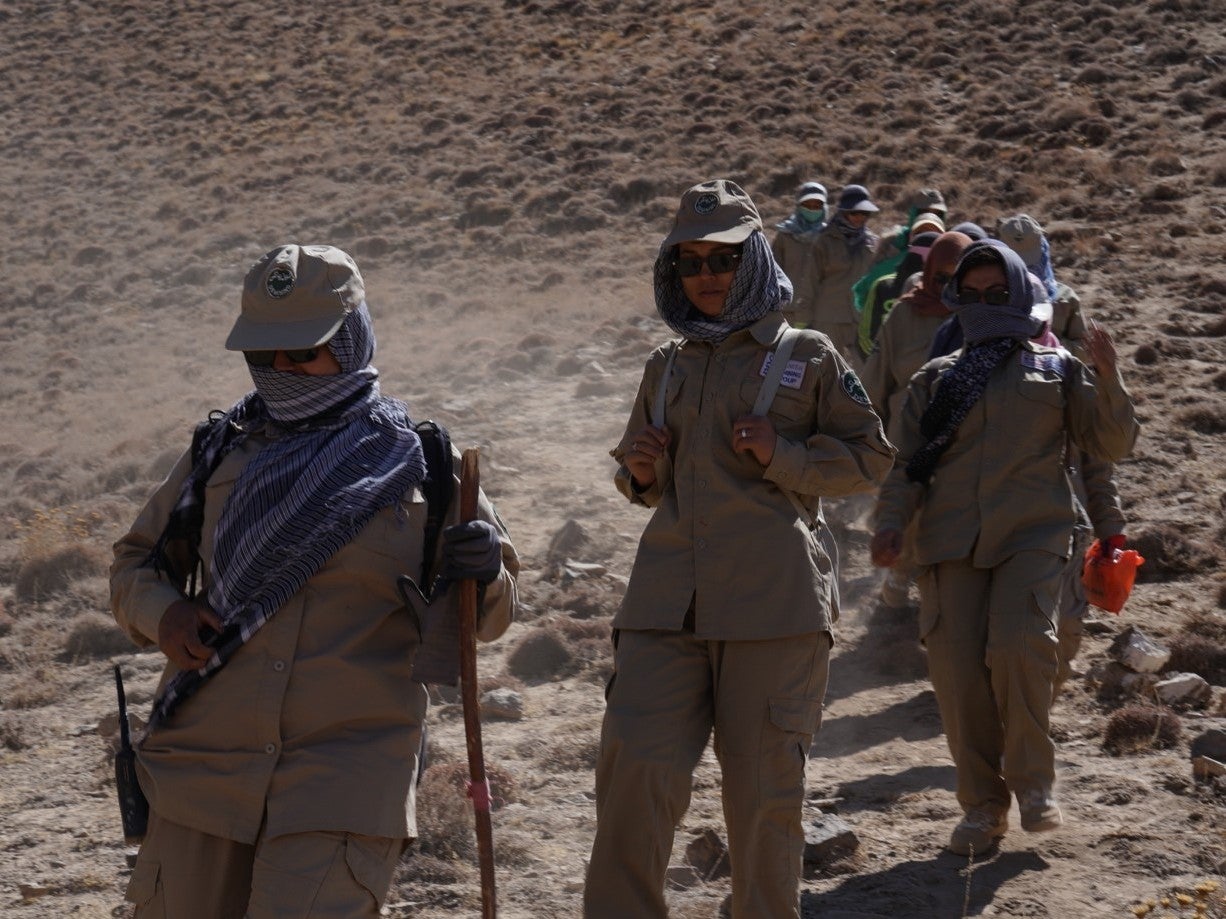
<point x="372" y="861"/>
<point x="797" y="716"/>
<point x="143" y="887"/>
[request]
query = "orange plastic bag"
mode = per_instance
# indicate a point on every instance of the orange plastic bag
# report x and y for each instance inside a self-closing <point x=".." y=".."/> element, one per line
<point x="1108" y="579"/>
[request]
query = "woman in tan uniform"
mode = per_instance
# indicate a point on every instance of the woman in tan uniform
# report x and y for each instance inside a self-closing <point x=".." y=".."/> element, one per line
<point x="726" y="623"/>
<point x="283" y="746"/>
<point x="981" y="440"/>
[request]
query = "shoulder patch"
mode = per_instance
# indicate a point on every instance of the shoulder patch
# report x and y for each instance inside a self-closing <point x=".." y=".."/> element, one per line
<point x="1051" y="363"/>
<point x="854" y="388"/>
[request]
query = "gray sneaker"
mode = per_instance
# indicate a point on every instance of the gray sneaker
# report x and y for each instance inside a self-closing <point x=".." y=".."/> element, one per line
<point x="978" y="832"/>
<point x="1040" y="812"/>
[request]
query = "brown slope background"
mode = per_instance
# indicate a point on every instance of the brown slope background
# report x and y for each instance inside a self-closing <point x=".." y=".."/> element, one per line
<point x="503" y="172"/>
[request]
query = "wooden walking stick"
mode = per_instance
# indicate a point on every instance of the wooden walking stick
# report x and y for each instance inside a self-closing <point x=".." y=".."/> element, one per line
<point x="478" y="784"/>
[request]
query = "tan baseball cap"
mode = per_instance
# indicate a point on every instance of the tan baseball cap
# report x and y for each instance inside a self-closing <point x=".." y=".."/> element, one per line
<point x="928" y="199"/>
<point x="296" y="297"/>
<point x="719" y="211"/>
<point x="1023" y="235"/>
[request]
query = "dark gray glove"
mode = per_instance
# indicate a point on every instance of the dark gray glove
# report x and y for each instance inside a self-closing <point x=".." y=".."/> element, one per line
<point x="471" y="550"/>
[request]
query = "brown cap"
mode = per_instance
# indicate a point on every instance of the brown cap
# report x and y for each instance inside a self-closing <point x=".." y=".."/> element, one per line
<point x="718" y="212"/>
<point x="296" y="297"/>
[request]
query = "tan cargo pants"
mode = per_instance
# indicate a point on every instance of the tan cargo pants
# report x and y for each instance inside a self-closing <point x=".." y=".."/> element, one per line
<point x="182" y="873"/>
<point x="669" y="691"/>
<point x="991" y="640"/>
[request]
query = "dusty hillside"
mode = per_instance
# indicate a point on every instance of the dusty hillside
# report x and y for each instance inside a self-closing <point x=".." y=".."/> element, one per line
<point x="503" y="172"/>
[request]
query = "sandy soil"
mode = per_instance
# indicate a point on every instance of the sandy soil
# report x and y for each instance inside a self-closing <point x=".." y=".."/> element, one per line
<point x="502" y="171"/>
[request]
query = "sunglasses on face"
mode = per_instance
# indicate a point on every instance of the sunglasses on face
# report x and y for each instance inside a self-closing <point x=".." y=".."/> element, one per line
<point x="941" y="278"/>
<point x="993" y="296"/>
<point x="293" y="355"/>
<point x="719" y="262"/>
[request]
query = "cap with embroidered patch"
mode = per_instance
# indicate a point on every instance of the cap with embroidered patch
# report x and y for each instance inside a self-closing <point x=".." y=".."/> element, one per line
<point x="296" y="297"/>
<point x="718" y="211"/>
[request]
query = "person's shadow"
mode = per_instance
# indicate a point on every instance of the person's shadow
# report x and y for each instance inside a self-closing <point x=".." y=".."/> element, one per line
<point x="928" y="889"/>
<point x="913" y="719"/>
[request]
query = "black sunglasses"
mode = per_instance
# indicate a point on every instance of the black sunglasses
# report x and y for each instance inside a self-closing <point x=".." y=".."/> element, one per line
<point x="993" y="296"/>
<point x="941" y="278"/>
<point x="294" y="355"/>
<point x="719" y="262"/>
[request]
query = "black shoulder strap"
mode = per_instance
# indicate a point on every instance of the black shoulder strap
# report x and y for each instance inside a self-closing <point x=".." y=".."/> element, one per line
<point x="437" y="489"/>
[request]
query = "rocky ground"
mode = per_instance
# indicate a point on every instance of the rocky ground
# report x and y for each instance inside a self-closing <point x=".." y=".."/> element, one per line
<point x="503" y="171"/>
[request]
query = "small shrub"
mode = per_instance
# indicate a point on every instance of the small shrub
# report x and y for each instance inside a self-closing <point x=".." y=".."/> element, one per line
<point x="1169" y="554"/>
<point x="1197" y="654"/>
<point x="1139" y="727"/>
<point x="42" y="576"/>
<point x="445" y="824"/>
<point x="541" y="655"/>
<point x="94" y="635"/>
<point x="12" y="736"/>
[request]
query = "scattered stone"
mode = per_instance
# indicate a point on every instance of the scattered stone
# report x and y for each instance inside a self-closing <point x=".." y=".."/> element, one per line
<point x="502" y="703"/>
<point x="1211" y="743"/>
<point x="1138" y="652"/>
<point x="708" y="854"/>
<point x="571" y="571"/>
<point x="828" y="837"/>
<point x="1205" y="767"/>
<point x="682" y="877"/>
<point x="1188" y="689"/>
<point x="1139" y="684"/>
<point x="570" y="538"/>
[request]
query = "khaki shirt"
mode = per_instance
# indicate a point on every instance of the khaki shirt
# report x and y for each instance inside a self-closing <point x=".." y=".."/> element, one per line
<point x="724" y="533"/>
<point x="901" y="348"/>
<point x="1001" y="486"/>
<point x="314" y="724"/>
<point x="795" y="257"/>
<point x="837" y="267"/>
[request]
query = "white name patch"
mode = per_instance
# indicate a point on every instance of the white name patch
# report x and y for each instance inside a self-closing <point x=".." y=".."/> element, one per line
<point x="1052" y="363"/>
<point x="793" y="373"/>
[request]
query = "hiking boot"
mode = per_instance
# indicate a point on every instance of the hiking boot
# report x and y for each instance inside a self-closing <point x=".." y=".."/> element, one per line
<point x="978" y="832"/>
<point x="1040" y="812"/>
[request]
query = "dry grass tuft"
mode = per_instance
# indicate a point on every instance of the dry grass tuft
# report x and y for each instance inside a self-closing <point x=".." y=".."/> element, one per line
<point x="1170" y="554"/>
<point x="541" y="655"/>
<point x="1197" y="654"/>
<point x="1138" y="727"/>
<point x="58" y="548"/>
<point x="94" y="635"/>
<point x="445" y="823"/>
<point x="12" y="735"/>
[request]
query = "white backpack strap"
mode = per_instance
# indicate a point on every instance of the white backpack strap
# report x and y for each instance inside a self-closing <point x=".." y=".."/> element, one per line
<point x="657" y="409"/>
<point x="766" y="395"/>
<point x="779" y="363"/>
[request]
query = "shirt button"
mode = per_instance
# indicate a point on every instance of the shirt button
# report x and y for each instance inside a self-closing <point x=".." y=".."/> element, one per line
<point x="701" y="544"/>
<point x="270" y="748"/>
<point x="278" y="666"/>
<point x="702" y="483"/>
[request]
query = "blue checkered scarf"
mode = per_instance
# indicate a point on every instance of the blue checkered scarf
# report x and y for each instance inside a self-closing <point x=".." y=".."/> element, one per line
<point x="338" y="452"/>
<point x="758" y="287"/>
